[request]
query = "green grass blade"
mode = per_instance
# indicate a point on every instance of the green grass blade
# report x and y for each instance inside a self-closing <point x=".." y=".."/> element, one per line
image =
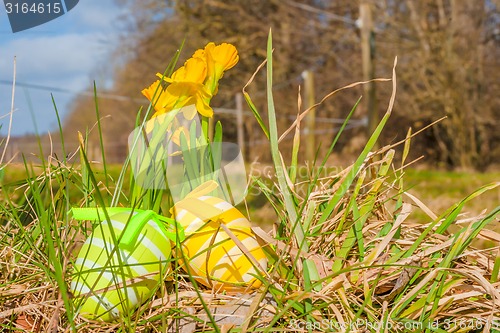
<point x="351" y="235"/>
<point x="37" y="134"/>
<point x="99" y="130"/>
<point x="295" y="153"/>
<point x="59" y="125"/>
<point x="256" y="114"/>
<point x="273" y="138"/>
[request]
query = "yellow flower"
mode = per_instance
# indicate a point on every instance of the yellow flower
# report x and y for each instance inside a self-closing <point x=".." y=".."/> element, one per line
<point x="219" y="58"/>
<point x="185" y="93"/>
<point x="224" y="55"/>
<point x="194" y="83"/>
<point x="156" y="91"/>
<point x="185" y="88"/>
<point x="194" y="70"/>
<point x="177" y="95"/>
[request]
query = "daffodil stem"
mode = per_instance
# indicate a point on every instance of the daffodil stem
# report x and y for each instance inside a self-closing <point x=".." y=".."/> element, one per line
<point x="211" y="125"/>
<point x="205" y="128"/>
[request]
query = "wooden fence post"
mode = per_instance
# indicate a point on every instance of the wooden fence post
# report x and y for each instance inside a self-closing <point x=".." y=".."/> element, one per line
<point x="311" y="116"/>
<point x="239" y="123"/>
<point x="368" y="57"/>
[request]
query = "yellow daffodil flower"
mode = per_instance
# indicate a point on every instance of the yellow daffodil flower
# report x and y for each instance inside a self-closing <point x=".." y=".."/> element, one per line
<point x="177" y="95"/>
<point x="194" y="83"/>
<point x="194" y="70"/>
<point x="185" y="88"/>
<point x="219" y="58"/>
<point x="224" y="55"/>
<point x="156" y="92"/>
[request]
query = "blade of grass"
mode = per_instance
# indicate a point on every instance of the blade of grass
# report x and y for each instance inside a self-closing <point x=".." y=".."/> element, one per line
<point x="252" y="106"/>
<point x="61" y="136"/>
<point x="99" y="131"/>
<point x="86" y="185"/>
<point x="11" y="113"/>
<point x="296" y="227"/>
<point x="273" y="138"/>
<point x="296" y="145"/>
<point x="33" y="118"/>
<point x="496" y="268"/>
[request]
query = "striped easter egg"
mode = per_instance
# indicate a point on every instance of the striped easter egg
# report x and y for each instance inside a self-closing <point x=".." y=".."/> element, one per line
<point x="213" y="257"/>
<point x="111" y="279"/>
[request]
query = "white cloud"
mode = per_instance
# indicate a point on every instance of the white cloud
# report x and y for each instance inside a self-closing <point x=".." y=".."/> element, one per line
<point x="43" y="59"/>
<point x="102" y="17"/>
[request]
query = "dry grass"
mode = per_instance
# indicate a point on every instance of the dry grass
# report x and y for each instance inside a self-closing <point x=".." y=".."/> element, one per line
<point x="381" y="277"/>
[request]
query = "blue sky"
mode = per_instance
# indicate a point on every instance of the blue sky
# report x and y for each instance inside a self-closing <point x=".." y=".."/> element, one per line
<point x="67" y="53"/>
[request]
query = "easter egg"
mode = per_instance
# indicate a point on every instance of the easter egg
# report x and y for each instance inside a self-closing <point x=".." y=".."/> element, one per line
<point x="212" y="257"/>
<point x="111" y="278"/>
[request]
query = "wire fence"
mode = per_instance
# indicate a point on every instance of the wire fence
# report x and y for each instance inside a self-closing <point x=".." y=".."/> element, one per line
<point x="20" y="149"/>
<point x="23" y="148"/>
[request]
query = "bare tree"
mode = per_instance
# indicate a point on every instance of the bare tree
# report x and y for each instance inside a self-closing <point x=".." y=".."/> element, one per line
<point x="445" y="48"/>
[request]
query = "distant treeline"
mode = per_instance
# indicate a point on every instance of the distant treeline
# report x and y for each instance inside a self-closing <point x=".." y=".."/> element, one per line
<point x="448" y="51"/>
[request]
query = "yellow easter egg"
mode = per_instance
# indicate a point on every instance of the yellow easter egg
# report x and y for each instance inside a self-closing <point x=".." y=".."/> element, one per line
<point x="213" y="258"/>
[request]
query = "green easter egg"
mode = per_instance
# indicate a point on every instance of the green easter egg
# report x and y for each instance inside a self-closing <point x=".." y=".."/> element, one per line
<point x="111" y="278"/>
